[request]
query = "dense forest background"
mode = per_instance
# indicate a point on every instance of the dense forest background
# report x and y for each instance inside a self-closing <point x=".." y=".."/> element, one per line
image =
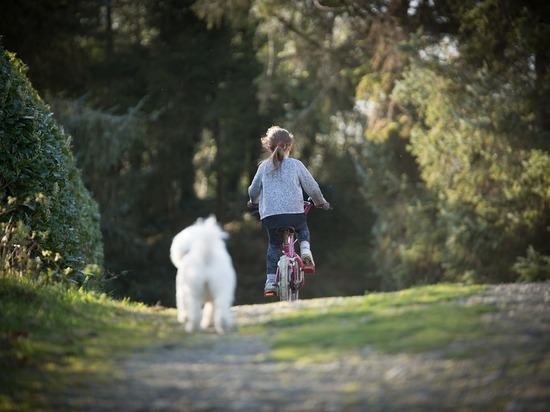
<point x="426" y="122"/>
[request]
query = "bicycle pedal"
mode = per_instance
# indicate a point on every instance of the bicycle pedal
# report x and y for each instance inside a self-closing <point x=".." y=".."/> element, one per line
<point x="309" y="269"/>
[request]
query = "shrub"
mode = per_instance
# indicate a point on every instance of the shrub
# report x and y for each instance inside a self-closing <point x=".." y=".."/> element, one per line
<point x="535" y="267"/>
<point x="49" y="223"/>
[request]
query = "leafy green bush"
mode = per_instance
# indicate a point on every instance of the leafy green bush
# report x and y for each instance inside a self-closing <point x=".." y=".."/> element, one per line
<point x="484" y="165"/>
<point x="49" y="222"/>
<point x="535" y="267"/>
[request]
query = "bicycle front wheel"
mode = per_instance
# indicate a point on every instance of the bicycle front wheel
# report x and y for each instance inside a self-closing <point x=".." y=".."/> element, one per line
<point x="296" y="279"/>
<point x="294" y="295"/>
<point x="284" y="282"/>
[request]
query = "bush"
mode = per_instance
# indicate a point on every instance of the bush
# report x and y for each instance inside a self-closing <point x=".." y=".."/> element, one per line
<point x="49" y="222"/>
<point x="535" y="267"/>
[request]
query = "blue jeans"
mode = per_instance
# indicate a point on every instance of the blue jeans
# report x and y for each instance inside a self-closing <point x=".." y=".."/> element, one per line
<point x="275" y="240"/>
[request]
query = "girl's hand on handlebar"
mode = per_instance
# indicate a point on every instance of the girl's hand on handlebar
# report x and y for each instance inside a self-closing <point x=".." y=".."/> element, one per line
<point x="325" y="206"/>
<point x="251" y="205"/>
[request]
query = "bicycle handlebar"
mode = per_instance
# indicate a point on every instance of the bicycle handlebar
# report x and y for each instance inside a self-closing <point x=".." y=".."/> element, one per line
<point x="308" y="204"/>
<point x="324" y="206"/>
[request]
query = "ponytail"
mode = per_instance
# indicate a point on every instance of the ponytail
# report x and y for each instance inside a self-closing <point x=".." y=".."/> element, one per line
<point x="276" y="142"/>
<point x="277" y="156"/>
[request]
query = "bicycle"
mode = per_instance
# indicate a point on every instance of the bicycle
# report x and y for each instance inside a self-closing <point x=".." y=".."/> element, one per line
<point x="290" y="268"/>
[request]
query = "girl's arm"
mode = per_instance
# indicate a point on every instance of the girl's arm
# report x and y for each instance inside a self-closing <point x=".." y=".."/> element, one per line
<point x="311" y="187"/>
<point x="255" y="187"/>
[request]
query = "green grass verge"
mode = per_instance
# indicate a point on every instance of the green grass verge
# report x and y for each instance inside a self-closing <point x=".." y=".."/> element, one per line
<point x="412" y="320"/>
<point x="52" y="338"/>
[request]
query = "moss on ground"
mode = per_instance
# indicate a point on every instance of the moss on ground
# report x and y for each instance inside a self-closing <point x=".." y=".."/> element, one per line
<point x="412" y="320"/>
<point x="50" y="336"/>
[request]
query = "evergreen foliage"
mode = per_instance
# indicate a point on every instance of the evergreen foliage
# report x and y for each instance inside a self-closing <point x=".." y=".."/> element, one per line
<point x="426" y="123"/>
<point x="456" y="152"/>
<point x="48" y="220"/>
<point x="488" y="184"/>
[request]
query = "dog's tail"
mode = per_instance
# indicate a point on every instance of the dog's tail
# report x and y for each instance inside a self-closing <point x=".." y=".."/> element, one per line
<point x="180" y="246"/>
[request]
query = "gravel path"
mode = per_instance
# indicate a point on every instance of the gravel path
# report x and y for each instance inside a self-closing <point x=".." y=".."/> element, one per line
<point x="233" y="373"/>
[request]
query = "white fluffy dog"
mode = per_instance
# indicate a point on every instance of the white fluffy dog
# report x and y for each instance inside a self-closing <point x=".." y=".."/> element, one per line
<point x="205" y="276"/>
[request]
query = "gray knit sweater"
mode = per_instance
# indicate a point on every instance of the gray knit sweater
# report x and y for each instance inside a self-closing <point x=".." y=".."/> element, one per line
<point x="280" y="192"/>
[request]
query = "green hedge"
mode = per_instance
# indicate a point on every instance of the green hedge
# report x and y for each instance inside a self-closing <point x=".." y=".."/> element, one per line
<point x="49" y="222"/>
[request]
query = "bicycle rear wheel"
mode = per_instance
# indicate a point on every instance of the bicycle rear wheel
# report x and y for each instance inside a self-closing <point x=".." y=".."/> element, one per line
<point x="284" y="292"/>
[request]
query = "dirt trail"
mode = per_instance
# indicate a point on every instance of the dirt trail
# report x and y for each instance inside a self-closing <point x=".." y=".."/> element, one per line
<point x="233" y="373"/>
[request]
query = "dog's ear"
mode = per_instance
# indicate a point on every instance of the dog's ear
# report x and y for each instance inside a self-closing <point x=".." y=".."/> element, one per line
<point x="211" y="220"/>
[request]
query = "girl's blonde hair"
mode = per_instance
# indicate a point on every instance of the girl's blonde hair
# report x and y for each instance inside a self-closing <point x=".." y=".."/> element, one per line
<point x="276" y="141"/>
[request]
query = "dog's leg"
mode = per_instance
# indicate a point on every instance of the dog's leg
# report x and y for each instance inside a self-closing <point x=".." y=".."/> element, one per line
<point x="207" y="315"/>
<point x="227" y="320"/>
<point x="223" y="321"/>
<point x="180" y="299"/>
<point x="194" y="315"/>
<point x="187" y="303"/>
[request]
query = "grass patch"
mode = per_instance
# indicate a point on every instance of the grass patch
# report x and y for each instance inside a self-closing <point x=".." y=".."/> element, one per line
<point x="412" y="320"/>
<point x="52" y="338"/>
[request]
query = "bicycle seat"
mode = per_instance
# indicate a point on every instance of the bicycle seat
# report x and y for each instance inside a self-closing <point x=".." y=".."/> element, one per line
<point x="285" y="229"/>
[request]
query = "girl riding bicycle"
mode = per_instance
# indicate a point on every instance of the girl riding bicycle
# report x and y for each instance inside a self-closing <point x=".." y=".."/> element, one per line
<point x="277" y="188"/>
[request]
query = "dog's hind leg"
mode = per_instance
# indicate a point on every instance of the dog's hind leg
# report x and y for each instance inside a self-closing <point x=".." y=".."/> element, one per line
<point x="194" y="315"/>
<point x="180" y="300"/>
<point x="223" y="321"/>
<point x="207" y="315"/>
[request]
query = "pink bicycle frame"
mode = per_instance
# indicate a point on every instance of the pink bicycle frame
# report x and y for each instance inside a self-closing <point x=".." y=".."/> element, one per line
<point x="288" y="250"/>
